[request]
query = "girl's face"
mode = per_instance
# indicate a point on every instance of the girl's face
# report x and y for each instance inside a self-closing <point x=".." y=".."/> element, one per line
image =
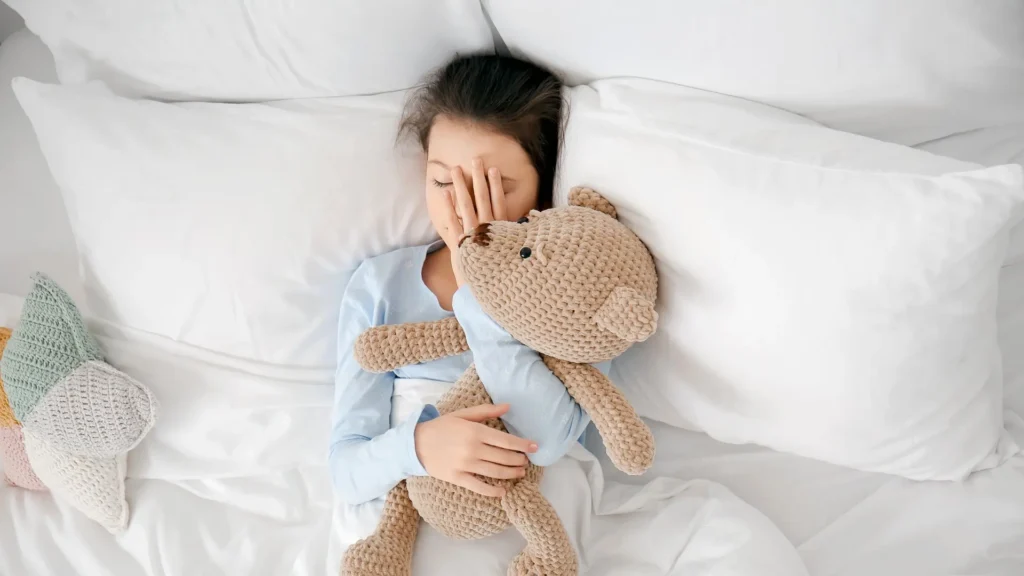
<point x="457" y="143"/>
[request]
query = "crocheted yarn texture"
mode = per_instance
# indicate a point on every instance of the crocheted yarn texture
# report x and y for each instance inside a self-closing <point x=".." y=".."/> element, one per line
<point x="17" y="470"/>
<point x="577" y="286"/>
<point x="79" y="415"/>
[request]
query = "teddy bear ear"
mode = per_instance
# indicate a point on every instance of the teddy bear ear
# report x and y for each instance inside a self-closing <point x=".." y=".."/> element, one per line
<point x="628" y="314"/>
<point x="587" y="198"/>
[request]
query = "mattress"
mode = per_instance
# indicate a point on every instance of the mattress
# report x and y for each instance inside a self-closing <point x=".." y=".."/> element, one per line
<point x="233" y="479"/>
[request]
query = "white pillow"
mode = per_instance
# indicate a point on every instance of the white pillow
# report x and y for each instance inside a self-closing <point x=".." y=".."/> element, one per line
<point x="906" y="71"/>
<point x="822" y="293"/>
<point x="232" y="227"/>
<point x="241" y="50"/>
<point x="991" y="146"/>
<point x="45" y="243"/>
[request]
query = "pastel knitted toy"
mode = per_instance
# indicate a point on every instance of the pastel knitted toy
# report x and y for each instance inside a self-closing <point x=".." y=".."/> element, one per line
<point x="577" y="286"/>
<point x="17" y="469"/>
<point x="79" y="415"/>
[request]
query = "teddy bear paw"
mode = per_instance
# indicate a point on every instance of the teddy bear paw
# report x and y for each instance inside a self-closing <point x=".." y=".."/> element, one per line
<point x="372" y="557"/>
<point x="526" y="565"/>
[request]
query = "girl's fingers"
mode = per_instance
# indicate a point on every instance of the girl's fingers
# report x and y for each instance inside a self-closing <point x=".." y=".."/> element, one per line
<point x="501" y="456"/>
<point x="492" y="470"/>
<point x="497" y="194"/>
<point x="481" y="193"/>
<point x="481" y="412"/>
<point x="464" y="202"/>
<point x="500" y="439"/>
<point x="470" y="482"/>
<point x="453" y="228"/>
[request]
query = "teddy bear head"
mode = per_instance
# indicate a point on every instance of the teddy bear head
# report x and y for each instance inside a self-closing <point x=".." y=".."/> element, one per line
<point x="571" y="282"/>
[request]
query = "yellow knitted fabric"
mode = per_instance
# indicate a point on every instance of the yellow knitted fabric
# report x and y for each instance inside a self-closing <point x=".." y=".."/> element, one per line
<point x="577" y="286"/>
<point x="7" y="419"/>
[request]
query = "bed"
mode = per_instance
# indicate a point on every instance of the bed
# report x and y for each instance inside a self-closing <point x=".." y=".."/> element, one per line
<point x="236" y="482"/>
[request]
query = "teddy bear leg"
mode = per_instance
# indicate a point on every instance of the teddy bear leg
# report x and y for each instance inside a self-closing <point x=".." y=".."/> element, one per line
<point x="388" y="551"/>
<point x="548" y="549"/>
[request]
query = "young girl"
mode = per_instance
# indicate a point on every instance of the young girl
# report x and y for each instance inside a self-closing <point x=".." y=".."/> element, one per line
<point x="490" y="126"/>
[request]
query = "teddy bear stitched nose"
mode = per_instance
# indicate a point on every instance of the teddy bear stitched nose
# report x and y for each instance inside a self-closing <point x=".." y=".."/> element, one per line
<point x="480" y="235"/>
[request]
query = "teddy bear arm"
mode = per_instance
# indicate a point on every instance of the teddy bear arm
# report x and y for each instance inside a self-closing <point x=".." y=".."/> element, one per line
<point x="385" y="348"/>
<point x="628" y="440"/>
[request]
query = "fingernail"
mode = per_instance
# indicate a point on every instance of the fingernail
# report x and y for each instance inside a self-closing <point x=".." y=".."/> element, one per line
<point x="478" y="162"/>
<point x="533" y="447"/>
<point x="493" y="171"/>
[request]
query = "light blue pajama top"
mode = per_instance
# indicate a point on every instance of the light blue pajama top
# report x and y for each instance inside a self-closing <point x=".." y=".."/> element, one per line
<point x="367" y="456"/>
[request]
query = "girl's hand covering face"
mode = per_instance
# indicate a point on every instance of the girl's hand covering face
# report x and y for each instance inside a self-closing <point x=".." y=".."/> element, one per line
<point x="465" y="211"/>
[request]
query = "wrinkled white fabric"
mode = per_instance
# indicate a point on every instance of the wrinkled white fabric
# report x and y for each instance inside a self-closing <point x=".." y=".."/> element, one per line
<point x="232" y="50"/>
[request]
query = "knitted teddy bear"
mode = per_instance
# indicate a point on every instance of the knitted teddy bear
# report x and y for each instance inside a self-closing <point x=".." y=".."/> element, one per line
<point x="577" y="286"/>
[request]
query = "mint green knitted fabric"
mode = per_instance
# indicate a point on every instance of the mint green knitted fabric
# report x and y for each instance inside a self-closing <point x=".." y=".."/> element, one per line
<point x="79" y="415"/>
<point x="48" y="344"/>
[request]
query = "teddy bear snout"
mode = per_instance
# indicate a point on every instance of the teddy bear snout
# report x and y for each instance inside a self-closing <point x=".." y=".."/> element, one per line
<point x="480" y="235"/>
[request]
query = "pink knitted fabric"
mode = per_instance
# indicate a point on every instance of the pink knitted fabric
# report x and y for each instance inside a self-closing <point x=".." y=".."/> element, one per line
<point x="17" y="470"/>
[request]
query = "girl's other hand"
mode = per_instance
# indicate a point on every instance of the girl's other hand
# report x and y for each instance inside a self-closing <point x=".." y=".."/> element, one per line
<point x="468" y="210"/>
<point x="458" y="447"/>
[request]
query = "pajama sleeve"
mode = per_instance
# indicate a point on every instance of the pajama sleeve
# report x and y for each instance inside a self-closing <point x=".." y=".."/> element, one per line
<point x="367" y="457"/>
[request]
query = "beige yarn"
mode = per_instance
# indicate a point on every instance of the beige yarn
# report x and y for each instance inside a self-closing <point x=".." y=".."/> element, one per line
<point x="67" y="416"/>
<point x="627" y="439"/>
<point x="584" y="294"/>
<point x="388" y="552"/>
<point x="551" y="303"/>
<point x="384" y="348"/>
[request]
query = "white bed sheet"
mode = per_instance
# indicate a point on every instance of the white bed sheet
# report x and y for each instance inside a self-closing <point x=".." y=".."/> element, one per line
<point x="849" y="523"/>
<point x="272" y="507"/>
<point x="233" y="480"/>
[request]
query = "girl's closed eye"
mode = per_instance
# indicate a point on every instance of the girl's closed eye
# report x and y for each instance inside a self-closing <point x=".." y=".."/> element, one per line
<point x="509" y="185"/>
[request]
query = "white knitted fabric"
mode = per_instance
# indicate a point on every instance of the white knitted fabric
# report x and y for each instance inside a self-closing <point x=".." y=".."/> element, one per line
<point x="94" y="486"/>
<point x="96" y="411"/>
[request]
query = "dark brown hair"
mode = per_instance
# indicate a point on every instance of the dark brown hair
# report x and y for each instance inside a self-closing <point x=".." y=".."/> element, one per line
<point x="510" y="96"/>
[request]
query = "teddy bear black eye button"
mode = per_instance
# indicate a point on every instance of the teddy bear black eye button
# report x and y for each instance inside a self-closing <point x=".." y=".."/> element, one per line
<point x="522" y="220"/>
<point x="525" y="252"/>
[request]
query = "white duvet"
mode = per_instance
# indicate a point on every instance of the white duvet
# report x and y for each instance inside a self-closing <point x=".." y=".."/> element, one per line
<point x="233" y="481"/>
